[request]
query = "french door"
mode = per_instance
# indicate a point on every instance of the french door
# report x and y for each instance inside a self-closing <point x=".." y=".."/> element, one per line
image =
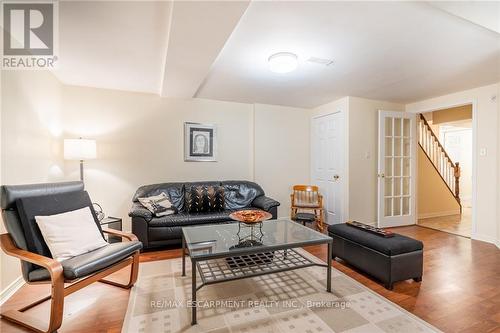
<point x="397" y="169"/>
<point x="327" y="147"/>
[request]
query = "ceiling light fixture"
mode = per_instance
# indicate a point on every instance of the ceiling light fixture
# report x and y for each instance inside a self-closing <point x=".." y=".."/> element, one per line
<point x="283" y="62"/>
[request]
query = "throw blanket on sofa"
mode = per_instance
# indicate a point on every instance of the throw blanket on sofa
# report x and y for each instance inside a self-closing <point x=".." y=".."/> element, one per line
<point x="159" y="204"/>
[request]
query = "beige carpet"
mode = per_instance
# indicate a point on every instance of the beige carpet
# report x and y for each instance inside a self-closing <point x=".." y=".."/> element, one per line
<point x="288" y="302"/>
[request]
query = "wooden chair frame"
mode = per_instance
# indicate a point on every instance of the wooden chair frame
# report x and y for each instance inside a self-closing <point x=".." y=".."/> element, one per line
<point x="57" y="281"/>
<point x="317" y="210"/>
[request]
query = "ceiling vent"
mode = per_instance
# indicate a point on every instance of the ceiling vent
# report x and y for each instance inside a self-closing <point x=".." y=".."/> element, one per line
<point x="320" y="61"/>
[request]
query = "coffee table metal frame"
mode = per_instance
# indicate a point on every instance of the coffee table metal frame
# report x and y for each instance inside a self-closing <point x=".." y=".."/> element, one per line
<point x="249" y="262"/>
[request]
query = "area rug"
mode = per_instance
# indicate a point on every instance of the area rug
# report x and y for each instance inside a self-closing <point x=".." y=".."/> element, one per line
<point x="288" y="302"/>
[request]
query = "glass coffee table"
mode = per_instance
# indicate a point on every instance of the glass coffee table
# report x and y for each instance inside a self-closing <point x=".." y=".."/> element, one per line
<point x="233" y="251"/>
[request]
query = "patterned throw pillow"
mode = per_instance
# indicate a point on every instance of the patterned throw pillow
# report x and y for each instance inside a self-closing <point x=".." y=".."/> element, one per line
<point x="204" y="199"/>
<point x="159" y="205"/>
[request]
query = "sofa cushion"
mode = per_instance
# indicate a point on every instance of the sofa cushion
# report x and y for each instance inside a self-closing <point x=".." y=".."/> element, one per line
<point x="169" y="220"/>
<point x="185" y="219"/>
<point x="398" y="244"/>
<point x="213" y="217"/>
<point x="91" y="262"/>
<point x="45" y="205"/>
<point x="240" y="194"/>
<point x="204" y="199"/>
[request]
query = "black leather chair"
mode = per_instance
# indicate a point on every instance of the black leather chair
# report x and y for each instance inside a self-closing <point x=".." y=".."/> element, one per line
<point x="39" y="267"/>
<point x="162" y="231"/>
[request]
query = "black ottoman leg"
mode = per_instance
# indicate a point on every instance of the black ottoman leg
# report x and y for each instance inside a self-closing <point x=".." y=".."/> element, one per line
<point x="389" y="286"/>
<point x="418" y="279"/>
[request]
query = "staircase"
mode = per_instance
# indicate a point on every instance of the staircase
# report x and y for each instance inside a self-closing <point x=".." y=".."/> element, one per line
<point x="449" y="171"/>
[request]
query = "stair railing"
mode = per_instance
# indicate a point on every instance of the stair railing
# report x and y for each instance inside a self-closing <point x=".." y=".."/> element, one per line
<point x="447" y="169"/>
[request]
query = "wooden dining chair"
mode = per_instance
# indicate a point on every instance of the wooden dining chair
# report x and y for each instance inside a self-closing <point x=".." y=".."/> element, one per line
<point x="307" y="205"/>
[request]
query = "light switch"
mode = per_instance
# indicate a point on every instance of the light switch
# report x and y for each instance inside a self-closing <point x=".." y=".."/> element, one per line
<point x="368" y="155"/>
<point x="483" y="152"/>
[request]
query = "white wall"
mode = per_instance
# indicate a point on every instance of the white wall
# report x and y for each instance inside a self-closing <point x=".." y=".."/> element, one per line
<point x="30" y="138"/>
<point x="281" y="151"/>
<point x="487" y="171"/>
<point x="361" y="121"/>
<point x="140" y="141"/>
<point x="363" y="156"/>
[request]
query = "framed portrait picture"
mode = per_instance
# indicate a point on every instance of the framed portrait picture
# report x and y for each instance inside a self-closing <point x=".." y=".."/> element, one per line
<point x="200" y="142"/>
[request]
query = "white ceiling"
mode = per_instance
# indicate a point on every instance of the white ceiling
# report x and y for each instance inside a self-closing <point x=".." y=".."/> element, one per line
<point x="395" y="51"/>
<point x="483" y="13"/>
<point x="116" y="45"/>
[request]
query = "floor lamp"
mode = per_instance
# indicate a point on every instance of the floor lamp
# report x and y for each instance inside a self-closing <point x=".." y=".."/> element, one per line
<point x="80" y="150"/>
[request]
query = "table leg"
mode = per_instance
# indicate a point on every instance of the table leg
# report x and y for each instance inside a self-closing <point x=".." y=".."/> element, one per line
<point x="183" y="256"/>
<point x="193" y="292"/>
<point x="329" y="268"/>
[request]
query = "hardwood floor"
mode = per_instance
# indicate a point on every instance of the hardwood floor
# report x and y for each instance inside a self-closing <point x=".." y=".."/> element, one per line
<point x="460" y="291"/>
<point x="460" y="224"/>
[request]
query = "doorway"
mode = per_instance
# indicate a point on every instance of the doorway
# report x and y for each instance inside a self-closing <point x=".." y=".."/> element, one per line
<point x="327" y="159"/>
<point x="445" y="163"/>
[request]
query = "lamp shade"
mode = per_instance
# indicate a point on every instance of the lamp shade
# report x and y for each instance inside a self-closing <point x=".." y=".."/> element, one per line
<point x="79" y="149"/>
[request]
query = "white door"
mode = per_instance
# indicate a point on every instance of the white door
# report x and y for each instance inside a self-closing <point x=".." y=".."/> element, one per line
<point x="328" y="163"/>
<point x="397" y="169"/>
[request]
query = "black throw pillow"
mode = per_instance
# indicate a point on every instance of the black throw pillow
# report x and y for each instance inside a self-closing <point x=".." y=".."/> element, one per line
<point x="204" y="199"/>
<point x="46" y="205"/>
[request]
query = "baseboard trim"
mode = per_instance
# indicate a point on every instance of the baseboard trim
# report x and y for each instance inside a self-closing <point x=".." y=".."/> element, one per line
<point x="11" y="289"/>
<point x="438" y="214"/>
<point x="487" y="239"/>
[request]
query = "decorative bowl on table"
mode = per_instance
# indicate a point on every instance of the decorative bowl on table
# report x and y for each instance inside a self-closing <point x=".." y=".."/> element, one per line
<point x="250" y="216"/>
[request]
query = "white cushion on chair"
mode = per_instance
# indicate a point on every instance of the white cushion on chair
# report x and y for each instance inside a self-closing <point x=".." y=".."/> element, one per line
<point x="70" y="234"/>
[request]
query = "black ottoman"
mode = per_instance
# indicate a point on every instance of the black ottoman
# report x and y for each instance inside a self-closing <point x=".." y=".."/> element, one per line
<point x="389" y="259"/>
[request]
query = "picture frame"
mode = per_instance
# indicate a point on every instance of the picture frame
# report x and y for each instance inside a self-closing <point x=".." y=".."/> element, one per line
<point x="200" y="142"/>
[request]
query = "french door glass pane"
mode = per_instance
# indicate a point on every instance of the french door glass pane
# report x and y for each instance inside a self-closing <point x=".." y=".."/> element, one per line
<point x="406" y="127"/>
<point x="406" y="146"/>
<point x="388" y="207"/>
<point x="406" y="186"/>
<point x="388" y="126"/>
<point x="388" y="146"/>
<point x="397" y="206"/>
<point x="397" y="126"/>
<point x="406" y="206"/>
<point x="397" y="147"/>
<point x="388" y="186"/>
<point x="388" y="167"/>
<point x="397" y="166"/>
<point x="397" y="186"/>
<point x="406" y="167"/>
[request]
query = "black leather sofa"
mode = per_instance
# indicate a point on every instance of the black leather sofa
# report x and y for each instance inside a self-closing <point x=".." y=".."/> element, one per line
<point x="161" y="231"/>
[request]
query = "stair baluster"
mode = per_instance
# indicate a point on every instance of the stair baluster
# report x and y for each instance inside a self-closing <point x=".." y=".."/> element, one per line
<point x="437" y="155"/>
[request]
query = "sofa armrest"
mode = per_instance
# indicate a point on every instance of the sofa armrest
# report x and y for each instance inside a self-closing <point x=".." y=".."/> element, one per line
<point x="265" y="203"/>
<point x="139" y="210"/>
